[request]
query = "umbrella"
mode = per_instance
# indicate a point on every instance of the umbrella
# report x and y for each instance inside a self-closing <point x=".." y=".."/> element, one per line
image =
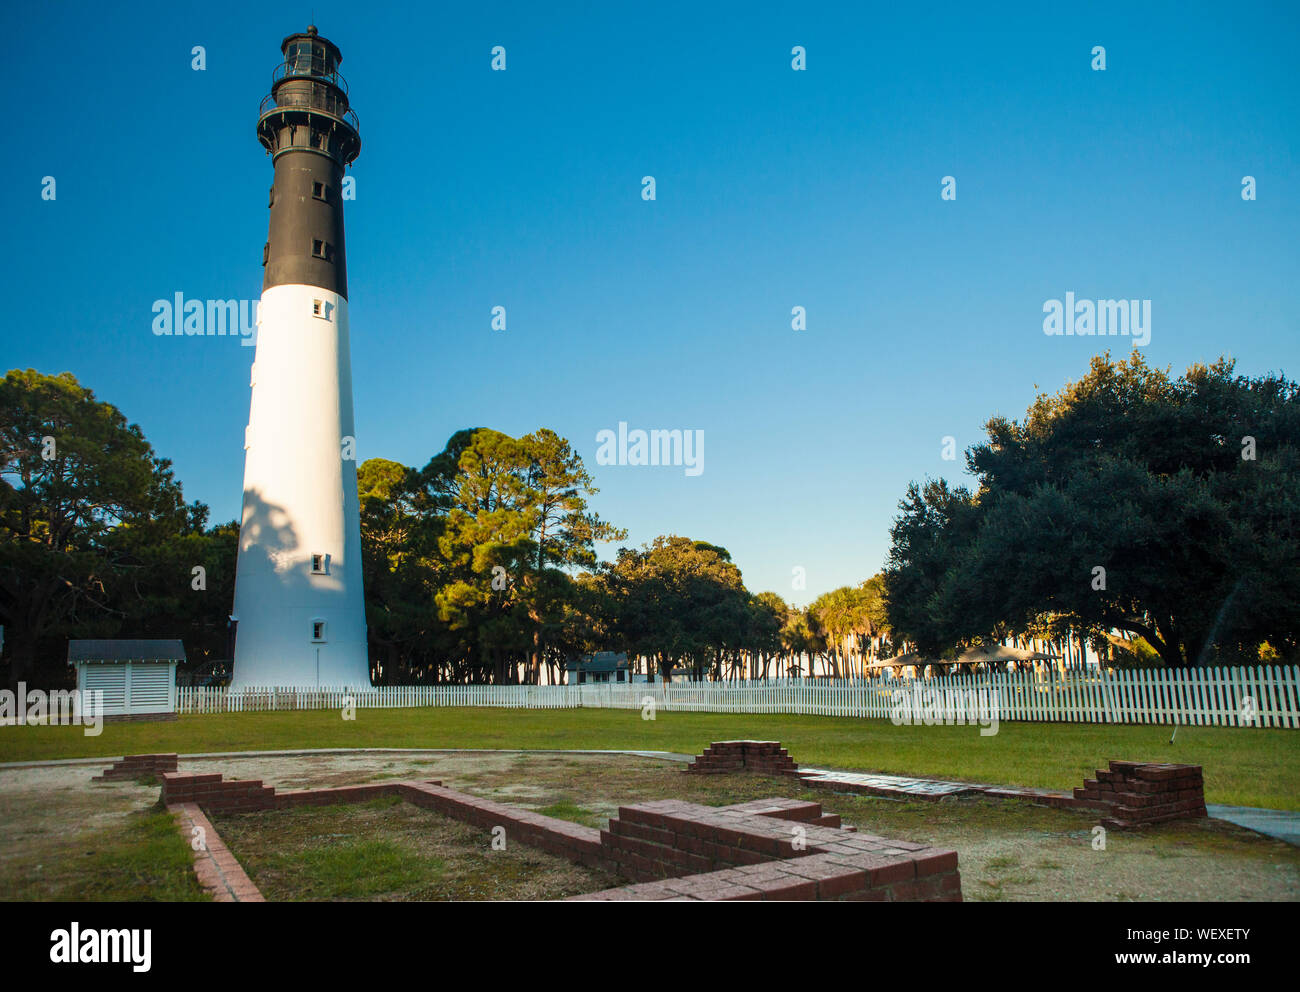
<point x="999" y="653"/>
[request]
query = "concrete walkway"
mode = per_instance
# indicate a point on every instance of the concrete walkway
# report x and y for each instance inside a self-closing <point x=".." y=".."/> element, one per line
<point x="888" y="786"/>
<point x="902" y="787"/>
<point x="1280" y="823"/>
<point x="324" y="751"/>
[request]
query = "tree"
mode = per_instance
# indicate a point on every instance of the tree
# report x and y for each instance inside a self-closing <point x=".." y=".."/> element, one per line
<point x="400" y="526"/>
<point x="486" y="545"/>
<point x="678" y="600"/>
<point x="1124" y="503"/>
<point x="470" y="561"/>
<point x="770" y="615"/>
<point x="845" y="619"/>
<point x="72" y="471"/>
<point x="935" y="521"/>
<point x="564" y="532"/>
<point x="176" y="583"/>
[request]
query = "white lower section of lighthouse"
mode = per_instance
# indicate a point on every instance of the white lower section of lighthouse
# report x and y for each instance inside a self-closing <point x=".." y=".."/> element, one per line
<point x="299" y="604"/>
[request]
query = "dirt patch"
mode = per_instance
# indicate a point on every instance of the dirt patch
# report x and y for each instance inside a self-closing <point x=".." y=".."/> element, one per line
<point x="326" y="771"/>
<point x="56" y="827"/>
<point x="391" y="851"/>
<point x="1020" y="852"/>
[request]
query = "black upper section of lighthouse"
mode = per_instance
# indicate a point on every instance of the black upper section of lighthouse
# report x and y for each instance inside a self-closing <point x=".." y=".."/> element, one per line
<point x="311" y="132"/>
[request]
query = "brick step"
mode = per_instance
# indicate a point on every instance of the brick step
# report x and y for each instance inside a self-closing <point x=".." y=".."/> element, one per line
<point x="830" y="863"/>
<point x="1139" y="793"/>
<point x="802" y="811"/>
<point x="135" y="766"/>
<point x="642" y="860"/>
<point x="763" y="757"/>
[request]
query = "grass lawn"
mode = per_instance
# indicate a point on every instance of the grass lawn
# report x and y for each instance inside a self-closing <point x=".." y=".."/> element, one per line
<point x="146" y="859"/>
<point x="1242" y="766"/>
<point x="389" y="850"/>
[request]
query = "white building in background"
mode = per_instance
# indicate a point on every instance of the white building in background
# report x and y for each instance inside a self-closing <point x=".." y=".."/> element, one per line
<point x="137" y="677"/>
<point x="299" y="617"/>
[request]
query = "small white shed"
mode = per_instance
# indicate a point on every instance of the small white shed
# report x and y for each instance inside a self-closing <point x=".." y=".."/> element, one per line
<point x="136" y="677"/>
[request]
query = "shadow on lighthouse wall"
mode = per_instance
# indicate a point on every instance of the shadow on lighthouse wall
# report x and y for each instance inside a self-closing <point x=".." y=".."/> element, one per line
<point x="267" y="526"/>
<point x="275" y="569"/>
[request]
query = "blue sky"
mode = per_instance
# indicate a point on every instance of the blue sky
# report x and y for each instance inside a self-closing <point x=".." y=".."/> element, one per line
<point x="775" y="189"/>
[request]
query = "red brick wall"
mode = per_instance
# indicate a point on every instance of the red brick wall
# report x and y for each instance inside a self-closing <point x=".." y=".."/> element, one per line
<point x="135" y="766"/>
<point x="215" y="795"/>
<point x="1136" y="793"/>
<point x="765" y="849"/>
<point x="217" y="870"/>
<point x="765" y="757"/>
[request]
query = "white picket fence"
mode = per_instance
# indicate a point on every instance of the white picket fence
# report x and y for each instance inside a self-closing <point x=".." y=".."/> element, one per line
<point x="1265" y="696"/>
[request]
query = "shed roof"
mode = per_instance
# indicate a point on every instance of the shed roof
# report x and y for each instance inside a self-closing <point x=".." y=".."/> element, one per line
<point x="601" y="661"/>
<point x="110" y="650"/>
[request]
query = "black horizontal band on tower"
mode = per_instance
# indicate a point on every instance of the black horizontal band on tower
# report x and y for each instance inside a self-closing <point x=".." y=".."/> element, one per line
<point x="309" y="128"/>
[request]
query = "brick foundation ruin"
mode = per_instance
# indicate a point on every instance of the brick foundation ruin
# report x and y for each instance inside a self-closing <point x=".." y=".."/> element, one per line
<point x="775" y="849"/>
<point x="138" y="766"/>
<point x="766" y="849"/>
<point x="1135" y="793"/>
<point x="764" y="757"/>
<point x="675" y="850"/>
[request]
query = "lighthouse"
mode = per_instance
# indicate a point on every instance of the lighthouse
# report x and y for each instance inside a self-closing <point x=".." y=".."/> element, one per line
<point x="299" y="616"/>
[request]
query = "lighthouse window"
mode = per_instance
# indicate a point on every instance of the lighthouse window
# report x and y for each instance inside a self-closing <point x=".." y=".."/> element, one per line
<point x="318" y="630"/>
<point x="320" y="191"/>
<point x="300" y="59"/>
<point x="323" y="249"/>
<point x="319" y="564"/>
